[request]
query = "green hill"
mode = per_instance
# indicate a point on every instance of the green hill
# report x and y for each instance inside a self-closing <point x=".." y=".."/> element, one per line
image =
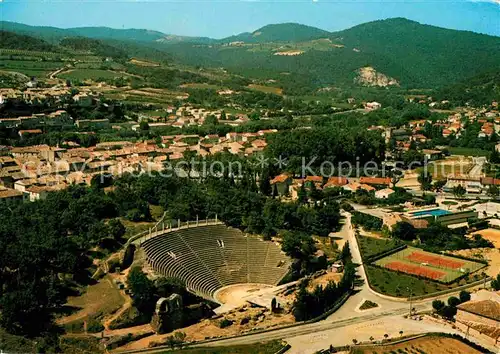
<point x="283" y="32"/>
<point x="94" y="46"/>
<point x="421" y="54"/>
<point x="479" y="90"/>
<point x="141" y="35"/>
<point x="416" y="55"/>
<point x="10" y="40"/>
<point x="54" y="34"/>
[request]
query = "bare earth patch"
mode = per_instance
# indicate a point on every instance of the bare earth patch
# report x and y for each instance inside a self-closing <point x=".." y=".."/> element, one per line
<point x="258" y="318"/>
<point x="422" y="345"/>
<point x="492" y="235"/>
<point x="234" y="294"/>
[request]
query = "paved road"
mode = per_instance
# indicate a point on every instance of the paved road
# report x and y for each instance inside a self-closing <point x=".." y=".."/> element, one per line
<point x="363" y="291"/>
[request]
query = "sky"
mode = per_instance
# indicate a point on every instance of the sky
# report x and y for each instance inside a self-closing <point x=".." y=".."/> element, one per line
<point x="222" y="18"/>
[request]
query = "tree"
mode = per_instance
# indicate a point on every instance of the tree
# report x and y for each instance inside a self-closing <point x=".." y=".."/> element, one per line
<point x="386" y="336"/>
<point x="494" y="156"/>
<point x="355" y="341"/>
<point x="425" y="180"/>
<point x="404" y="231"/>
<point x="438" y="305"/>
<point x="439" y="184"/>
<point x="401" y="333"/>
<point x="459" y="191"/>
<point x="372" y="339"/>
<point x="142" y="289"/>
<point x="449" y="312"/>
<point x="302" y="194"/>
<point x="464" y="296"/>
<point x="255" y="115"/>
<point x="273" y="305"/>
<point x="144" y="126"/>
<point x="493" y="191"/>
<point x="453" y="301"/>
<point x="211" y="120"/>
<point x="495" y="283"/>
<point x="116" y="229"/>
<point x="264" y="183"/>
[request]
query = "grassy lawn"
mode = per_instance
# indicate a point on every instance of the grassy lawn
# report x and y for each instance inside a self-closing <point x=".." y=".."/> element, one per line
<point x="395" y="284"/>
<point x="261" y="348"/>
<point x="97" y="301"/>
<point x="370" y="246"/>
<point x="133" y="228"/>
<point x="468" y="151"/>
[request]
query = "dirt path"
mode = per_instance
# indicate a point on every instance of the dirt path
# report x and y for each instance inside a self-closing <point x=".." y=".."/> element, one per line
<point x="125" y="307"/>
<point x="57" y="72"/>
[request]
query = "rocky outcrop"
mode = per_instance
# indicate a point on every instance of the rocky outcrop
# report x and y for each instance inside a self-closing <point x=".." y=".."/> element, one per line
<point x="368" y="76"/>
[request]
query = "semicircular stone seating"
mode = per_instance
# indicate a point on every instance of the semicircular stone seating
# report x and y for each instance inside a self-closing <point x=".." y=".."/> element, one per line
<point x="210" y="257"/>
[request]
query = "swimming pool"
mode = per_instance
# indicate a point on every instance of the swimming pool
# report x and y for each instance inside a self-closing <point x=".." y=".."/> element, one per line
<point x="431" y="212"/>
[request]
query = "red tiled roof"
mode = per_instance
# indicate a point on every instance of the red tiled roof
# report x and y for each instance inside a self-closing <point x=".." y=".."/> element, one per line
<point x="336" y="181"/>
<point x="315" y="179"/>
<point x="375" y="180"/>
<point x="280" y="178"/>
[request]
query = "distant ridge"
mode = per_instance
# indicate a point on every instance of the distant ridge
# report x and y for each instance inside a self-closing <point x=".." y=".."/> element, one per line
<point x="283" y="32"/>
<point x="412" y="54"/>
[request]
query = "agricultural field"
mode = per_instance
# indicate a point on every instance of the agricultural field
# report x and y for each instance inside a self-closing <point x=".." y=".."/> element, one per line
<point x="266" y="89"/>
<point x="92" y="74"/>
<point x="260" y="348"/>
<point x="142" y="62"/>
<point x="425" y="345"/>
<point x="162" y="97"/>
<point x="428" y="265"/>
<point x="31" y="67"/>
<point x="201" y="86"/>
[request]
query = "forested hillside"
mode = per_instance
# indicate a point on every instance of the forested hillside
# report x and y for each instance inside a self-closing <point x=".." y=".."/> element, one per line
<point x="285" y="32"/>
<point x="476" y="91"/>
<point x="10" y="40"/>
<point x="94" y="46"/>
<point x="416" y="55"/>
<point x="421" y="54"/>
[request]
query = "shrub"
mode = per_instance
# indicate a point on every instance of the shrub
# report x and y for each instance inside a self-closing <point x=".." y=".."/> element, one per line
<point x="225" y="323"/>
<point x="94" y="326"/>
